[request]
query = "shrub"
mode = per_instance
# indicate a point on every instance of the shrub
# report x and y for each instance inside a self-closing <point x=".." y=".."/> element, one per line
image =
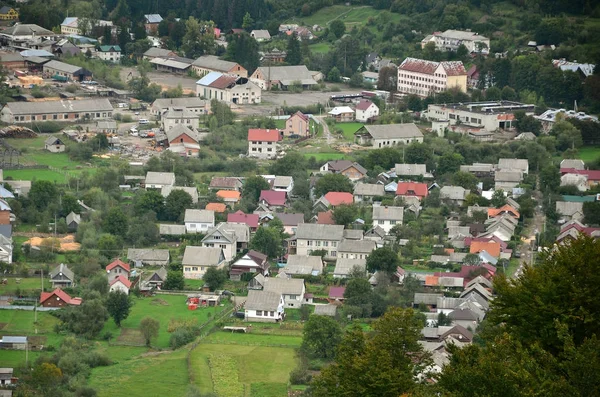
<point x="183" y="336"/>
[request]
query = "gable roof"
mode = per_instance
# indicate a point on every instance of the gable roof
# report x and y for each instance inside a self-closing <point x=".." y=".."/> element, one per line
<point x="229" y="194"/>
<point x="240" y="217"/>
<point x="229" y="182"/>
<point x="336" y="292"/>
<point x="299" y="114"/>
<point x="325" y="218"/>
<point x="59" y="293"/>
<point x="312" y="231"/>
<point x="410" y="169"/>
<point x="514" y="164"/>
<point x="118" y="263"/>
<point x="257" y="257"/>
<point x="303" y="264"/>
<point x="388" y="213"/>
<point x="64" y="270"/>
<point x="452" y="68"/>
<point x="154" y="52"/>
<point x="273" y="197"/>
<point x="286" y="73"/>
<point x="343" y="266"/>
<point x="453" y="192"/>
<point x="212" y="62"/>
<point x="284" y="286"/>
<point x="202" y="256"/>
<point x="148" y="254"/>
<point x="121" y="279"/>
<point x="203" y="216"/>
<point x="364" y="104"/>
<point x="26" y="29"/>
<point x="153" y="18"/>
<point x="73" y="217"/>
<point x="216" y="207"/>
<point x="171" y="230"/>
<point x="369" y="189"/>
<point x="357" y="246"/>
<point x="262" y="300"/>
<point x="392" y="131"/>
<point x="491" y="247"/>
<point x="160" y="178"/>
<point x="262" y="135"/>
<point x="412" y="189"/>
<point x="342" y="165"/>
<point x="339" y="198"/>
<point x="80" y="105"/>
<point x="494" y="212"/>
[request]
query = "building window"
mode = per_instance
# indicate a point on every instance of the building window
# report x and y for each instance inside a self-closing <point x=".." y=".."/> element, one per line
<point x="309" y="243"/>
<point x="392" y="222"/>
<point x="259" y="312"/>
<point x="272" y="314"/>
<point x="334" y="254"/>
<point x="380" y="222"/>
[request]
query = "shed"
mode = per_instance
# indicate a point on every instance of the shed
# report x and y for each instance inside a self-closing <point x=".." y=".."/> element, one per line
<point x="13" y="342"/>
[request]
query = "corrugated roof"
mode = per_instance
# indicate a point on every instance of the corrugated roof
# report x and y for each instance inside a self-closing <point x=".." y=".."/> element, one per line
<point x="388" y="213"/>
<point x="452" y="68"/>
<point x="369" y="189"/>
<point x="63" y="67"/>
<point x="153" y="18"/>
<point x="309" y="231"/>
<point x="202" y="256"/>
<point x="262" y="300"/>
<point x="212" y="62"/>
<point x="284" y="286"/>
<point x="63" y="106"/>
<point x="204" y="216"/>
<point x="160" y="178"/>
<point x="343" y="266"/>
<point x="357" y="246"/>
<point x="394" y="131"/>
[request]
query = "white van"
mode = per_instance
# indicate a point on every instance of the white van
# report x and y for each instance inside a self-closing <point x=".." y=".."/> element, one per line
<point x="143" y="121"/>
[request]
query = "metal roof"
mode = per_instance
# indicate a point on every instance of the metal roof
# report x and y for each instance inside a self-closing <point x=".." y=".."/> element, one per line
<point x="64" y="106"/>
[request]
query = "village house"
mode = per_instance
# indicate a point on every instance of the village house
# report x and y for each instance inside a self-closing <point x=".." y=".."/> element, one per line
<point x="141" y="257"/>
<point x="27" y="35"/>
<point x="120" y="283"/>
<point x="577" y="180"/>
<point x="264" y="306"/>
<point x="191" y="190"/>
<point x="283" y="77"/>
<point x="345" y="266"/>
<point x="412" y="170"/>
<point x="592" y="176"/>
<point x="106" y="127"/>
<point x="412" y="189"/>
<point x="290" y="220"/>
<point x="71" y="72"/>
<point x="7" y="379"/>
<point x="196" y="260"/>
<point x="8" y="13"/>
<point x="155" y="52"/>
<point x="341" y="114"/>
<point x="206" y="64"/>
<point x="12" y="61"/>
<point x="367" y="192"/>
<point x="507" y="180"/>
<point x="521" y="165"/>
<point x="63" y="110"/>
<point x="473" y="77"/>
<point x="198" y="221"/>
<point x="304" y="265"/>
<point x="297" y="124"/>
<point x="262" y="143"/>
<point x="480" y="170"/>
<point x="62" y="277"/>
<point x="58" y="298"/>
<point x="230" y="197"/>
<point x="583" y="69"/>
<point x="356" y="249"/>
<point x="312" y="237"/>
<point x="192" y="104"/>
<point x="179" y="116"/>
<point x="251" y="220"/>
<point x="228" y="88"/>
<point x="336" y="295"/>
<point x="282" y="183"/>
<point x="570" y="210"/>
<point x="273" y="200"/>
<point x="421" y="77"/>
<point x="117" y="268"/>
<point x="387" y="217"/>
<point x="151" y="22"/>
<point x="260" y="35"/>
<point x="230" y="237"/>
<point x="171" y="230"/>
<point x="366" y="111"/>
<point x="158" y="180"/>
<point x="155" y="280"/>
<point x="108" y="53"/>
<point x="181" y="139"/>
<point x="455" y="194"/>
<point x="252" y="262"/>
<point x="292" y="290"/>
<point x="333" y="199"/>
<point x="54" y="145"/>
<point x="575" y="164"/>
<point x="272" y="57"/>
<point x="388" y="135"/>
<point x="70" y="26"/>
<point x="451" y="39"/>
<point x="351" y="170"/>
<point x="225" y="183"/>
<point x="488" y="116"/>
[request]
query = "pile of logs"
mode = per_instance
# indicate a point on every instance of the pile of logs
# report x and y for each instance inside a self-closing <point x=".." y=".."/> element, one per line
<point x="15" y="131"/>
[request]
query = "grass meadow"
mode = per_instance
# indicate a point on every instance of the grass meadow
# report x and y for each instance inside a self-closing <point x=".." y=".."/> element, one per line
<point x="588" y="154"/>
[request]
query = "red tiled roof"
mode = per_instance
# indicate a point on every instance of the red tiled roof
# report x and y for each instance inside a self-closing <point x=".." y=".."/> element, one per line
<point x="273" y="197"/>
<point x="229" y="194"/>
<point x="471" y="240"/>
<point x="363" y="104"/>
<point x="337" y="292"/>
<point x="412" y="189"/>
<point x="118" y="262"/>
<point x="124" y="280"/>
<point x="225" y="81"/>
<point x="240" y="217"/>
<point x="325" y="218"/>
<point x="60" y="294"/>
<point x="216" y="207"/>
<point x="452" y="68"/>
<point x="593" y="175"/>
<point x="301" y="115"/>
<point x="465" y="271"/>
<point x="491" y="247"/>
<point x="257" y="134"/>
<point x="494" y="212"/>
<point x="338" y="198"/>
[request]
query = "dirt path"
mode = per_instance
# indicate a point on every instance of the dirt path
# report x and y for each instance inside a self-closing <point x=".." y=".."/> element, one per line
<point x="535" y="227"/>
<point x="326" y="131"/>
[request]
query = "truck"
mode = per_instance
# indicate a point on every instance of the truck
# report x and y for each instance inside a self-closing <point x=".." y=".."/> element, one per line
<point x="58" y="77"/>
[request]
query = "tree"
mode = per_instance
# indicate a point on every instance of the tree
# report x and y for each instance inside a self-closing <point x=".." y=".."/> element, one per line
<point x="118" y="305"/>
<point x="525" y="123"/>
<point x="450" y="163"/>
<point x="344" y="214"/>
<point x="381" y="364"/>
<point x="417" y="153"/>
<point x="383" y="259"/>
<point x="109" y="245"/>
<point x="493" y="94"/>
<point x="294" y="52"/>
<point x="338" y="28"/>
<point x="42" y="193"/>
<point x="356" y="80"/>
<point x="334" y="75"/>
<point x="567" y="135"/>
<point x="268" y="241"/>
<point x="465" y="179"/>
<point x="321" y="336"/>
<point x="46" y="376"/>
<point x="550" y="178"/>
<point x="215" y="278"/>
<point x="176" y="203"/>
<point x="248" y="22"/>
<point x="115" y="222"/>
<point x="253" y="186"/>
<point x="243" y="49"/>
<point x="333" y="183"/>
<point x="149" y="329"/>
<point x="388" y="79"/>
<point x="174" y="281"/>
<point x="199" y="38"/>
<point x="498" y="198"/>
<point x="87" y="319"/>
<point x="591" y="212"/>
<point x="509" y="94"/>
<point x="358" y="291"/>
<point x="472" y="260"/>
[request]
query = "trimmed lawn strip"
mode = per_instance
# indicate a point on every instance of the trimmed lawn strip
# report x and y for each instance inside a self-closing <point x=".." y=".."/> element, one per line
<point x="222" y="371"/>
<point x="349" y="129"/>
<point x="254" y="339"/>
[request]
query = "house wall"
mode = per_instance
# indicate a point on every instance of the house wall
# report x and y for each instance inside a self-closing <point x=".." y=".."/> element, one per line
<point x="352" y="255"/>
<point x="423" y="84"/>
<point x="4" y="217"/>
<point x="61" y="281"/>
<point x="245" y="94"/>
<point x="183" y="138"/>
<point x="169" y="123"/>
<point x="295" y="125"/>
<point x="489" y="122"/>
<point x="54" y="301"/>
<point x="262" y="149"/>
<point x="116" y="272"/>
<point x="8" y="117"/>
<point x="69" y="30"/>
<point x="15" y="65"/>
<point x="459" y="82"/>
<point x="229" y="249"/>
<point x="55" y="148"/>
<point x="379" y="143"/>
<point x="365" y="115"/>
<point x="386" y="224"/>
<point x="306" y="247"/>
<point x="118" y="286"/>
<point x="197" y="272"/>
<point x="252" y="315"/>
<point x="109" y="56"/>
<point x="353" y="174"/>
<point x="198" y="227"/>
<point x="343" y="117"/>
<point x="443" y="43"/>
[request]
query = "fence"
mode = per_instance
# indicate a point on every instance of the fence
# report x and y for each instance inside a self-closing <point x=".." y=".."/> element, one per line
<point x="28" y="308"/>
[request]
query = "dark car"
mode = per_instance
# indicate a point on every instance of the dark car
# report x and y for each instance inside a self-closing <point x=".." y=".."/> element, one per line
<point x="517" y="254"/>
<point x="227" y="293"/>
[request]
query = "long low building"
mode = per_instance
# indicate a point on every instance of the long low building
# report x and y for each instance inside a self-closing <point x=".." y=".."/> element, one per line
<point x="66" y="110"/>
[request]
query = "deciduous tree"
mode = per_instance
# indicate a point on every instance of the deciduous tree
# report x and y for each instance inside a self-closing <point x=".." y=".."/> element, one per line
<point x="215" y="278"/>
<point x="149" y="329"/>
<point x="174" y="281"/>
<point x="321" y="336"/>
<point x="383" y="259"/>
<point x="176" y="203"/>
<point x="118" y="305"/>
<point x="333" y="183"/>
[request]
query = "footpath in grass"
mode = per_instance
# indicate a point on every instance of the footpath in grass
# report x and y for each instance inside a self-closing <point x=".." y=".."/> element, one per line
<point x="262" y="371"/>
<point x="164" y="308"/>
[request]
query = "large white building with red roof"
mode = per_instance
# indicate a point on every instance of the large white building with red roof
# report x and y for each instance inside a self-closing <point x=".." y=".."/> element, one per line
<point x="263" y="143"/>
<point x="422" y="78"/>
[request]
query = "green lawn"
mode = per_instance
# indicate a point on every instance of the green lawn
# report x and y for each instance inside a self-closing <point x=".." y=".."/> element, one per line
<point x="321" y="157"/>
<point x="226" y="337"/>
<point x="280" y="124"/>
<point x="349" y="15"/>
<point x="157" y="375"/>
<point x="22" y="322"/>
<point x="322" y="48"/>
<point x="163" y="308"/>
<point x="31" y="174"/>
<point x="262" y="371"/>
<point x="589" y="153"/>
<point x="26" y="284"/>
<point x="349" y="129"/>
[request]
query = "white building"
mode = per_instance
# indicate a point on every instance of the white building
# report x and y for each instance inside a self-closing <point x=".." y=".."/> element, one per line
<point x="199" y="221"/>
<point x="387" y="135"/>
<point x="120" y="283"/>
<point x="158" y="180"/>
<point x="366" y="110"/>
<point x="228" y="88"/>
<point x="262" y="143"/>
<point x="108" y="53"/>
<point x="312" y="237"/>
<point x="451" y="39"/>
<point x="292" y="290"/>
<point x="387" y="217"/>
<point x="179" y="116"/>
<point x="423" y="78"/>
<point x="264" y="306"/>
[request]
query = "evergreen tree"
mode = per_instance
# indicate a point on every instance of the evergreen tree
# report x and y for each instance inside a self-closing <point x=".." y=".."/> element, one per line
<point x="294" y="51"/>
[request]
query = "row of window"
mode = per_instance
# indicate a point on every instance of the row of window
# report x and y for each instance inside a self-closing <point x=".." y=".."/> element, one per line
<point x="64" y="116"/>
<point x="382" y="222"/>
<point x="318" y="243"/>
<point x="260" y="150"/>
<point x="426" y="79"/>
<point x="193" y="268"/>
<point x="262" y="143"/>
<point x="266" y="313"/>
<point x="331" y="253"/>
<point x="186" y="121"/>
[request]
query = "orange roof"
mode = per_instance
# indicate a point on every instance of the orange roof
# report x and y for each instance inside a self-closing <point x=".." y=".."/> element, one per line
<point x="338" y="198"/>
<point x="117" y="262"/>
<point x="431" y="281"/>
<point x="216" y="207"/>
<point x="123" y="281"/>
<point x="494" y="212"/>
<point x="229" y="194"/>
<point x="259" y="134"/>
<point x="325" y="218"/>
<point x="449" y="250"/>
<point x="62" y="295"/>
<point x="491" y="247"/>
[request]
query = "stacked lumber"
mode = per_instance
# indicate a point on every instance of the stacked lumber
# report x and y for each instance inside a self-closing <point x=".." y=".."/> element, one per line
<point x="15" y="131"/>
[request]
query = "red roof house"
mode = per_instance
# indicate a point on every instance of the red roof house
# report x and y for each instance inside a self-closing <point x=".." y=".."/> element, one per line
<point x="491" y="247"/>
<point x="336" y="293"/>
<point x="593" y="176"/>
<point x="117" y="268"/>
<point x="120" y="283"/>
<point x="262" y="135"/>
<point x="240" y="217"/>
<point x="339" y="198"/>
<point x="58" y="298"/>
<point x="505" y="209"/>
<point x="325" y="218"/>
<point x="414" y="189"/>
<point x="273" y="198"/>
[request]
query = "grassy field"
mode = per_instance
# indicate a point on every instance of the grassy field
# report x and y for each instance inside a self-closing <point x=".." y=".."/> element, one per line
<point x="280" y="124"/>
<point x="41" y="175"/>
<point x="351" y="16"/>
<point x="349" y="129"/>
<point x="589" y="153"/>
<point x="158" y="375"/>
<point x="26" y="284"/>
<point x="254" y="370"/>
<point x="164" y="308"/>
<point x="254" y="339"/>
<point x="321" y="157"/>
<point x="321" y="48"/>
